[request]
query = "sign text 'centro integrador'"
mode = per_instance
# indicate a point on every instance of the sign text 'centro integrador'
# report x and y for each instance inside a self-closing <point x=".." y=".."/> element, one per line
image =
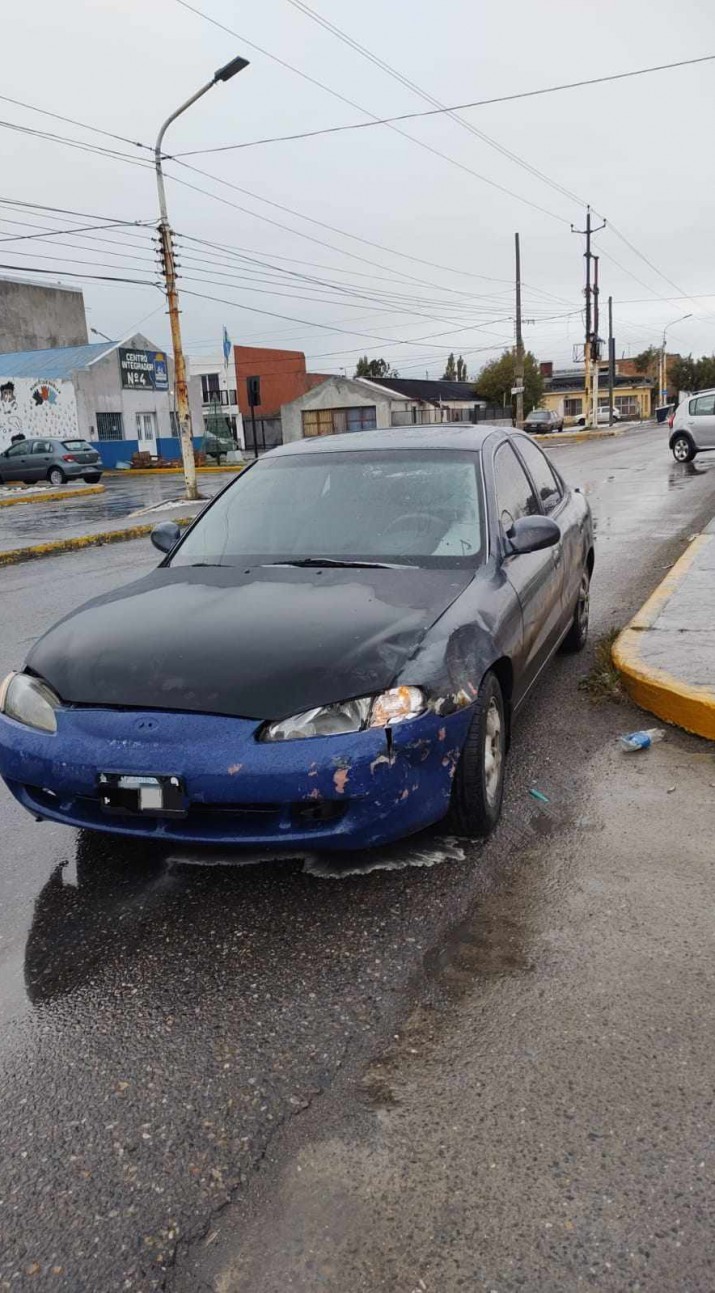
<point x="143" y="369"/>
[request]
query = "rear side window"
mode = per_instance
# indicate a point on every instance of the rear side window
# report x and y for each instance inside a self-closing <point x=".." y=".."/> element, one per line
<point x="514" y="491"/>
<point x="548" y="487"/>
<point x="42" y="446"/>
<point x="703" y="406"/>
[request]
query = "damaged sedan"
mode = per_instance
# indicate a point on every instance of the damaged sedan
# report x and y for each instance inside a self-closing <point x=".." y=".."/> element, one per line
<point x="332" y="656"/>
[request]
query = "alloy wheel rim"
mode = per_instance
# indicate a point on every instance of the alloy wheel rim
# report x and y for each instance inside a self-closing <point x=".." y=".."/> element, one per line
<point x="493" y="752"/>
<point x="681" y="450"/>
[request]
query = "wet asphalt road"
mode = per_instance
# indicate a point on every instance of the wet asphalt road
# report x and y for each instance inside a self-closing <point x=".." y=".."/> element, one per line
<point x="29" y="523"/>
<point x="162" y="1026"/>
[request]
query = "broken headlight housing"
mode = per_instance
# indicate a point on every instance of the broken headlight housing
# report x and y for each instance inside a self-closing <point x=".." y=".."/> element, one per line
<point x="30" y="701"/>
<point x="393" y="706"/>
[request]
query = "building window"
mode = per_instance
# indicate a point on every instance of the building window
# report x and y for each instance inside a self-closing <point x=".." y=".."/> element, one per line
<point x="628" y="405"/>
<point x="210" y="387"/>
<point x="109" y="426"/>
<point x="573" y="408"/>
<point x="336" y="421"/>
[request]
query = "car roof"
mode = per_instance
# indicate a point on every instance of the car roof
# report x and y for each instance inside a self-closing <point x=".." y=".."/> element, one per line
<point x="445" y="435"/>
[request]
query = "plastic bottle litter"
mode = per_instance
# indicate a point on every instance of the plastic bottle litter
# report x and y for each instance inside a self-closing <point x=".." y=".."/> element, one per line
<point x="539" y="794"/>
<point x="642" y="740"/>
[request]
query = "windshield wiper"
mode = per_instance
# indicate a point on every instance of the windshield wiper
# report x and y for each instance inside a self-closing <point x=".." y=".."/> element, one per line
<point x="332" y="561"/>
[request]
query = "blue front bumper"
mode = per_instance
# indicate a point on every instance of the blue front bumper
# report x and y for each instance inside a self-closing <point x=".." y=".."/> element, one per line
<point x="339" y="792"/>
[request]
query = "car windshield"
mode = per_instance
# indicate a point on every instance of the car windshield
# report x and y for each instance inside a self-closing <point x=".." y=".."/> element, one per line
<point x="416" y="507"/>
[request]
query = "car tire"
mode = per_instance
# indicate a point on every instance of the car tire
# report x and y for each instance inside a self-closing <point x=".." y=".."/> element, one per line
<point x="577" y="636"/>
<point x="92" y="480"/>
<point x="56" y="476"/>
<point x="479" y="780"/>
<point x="682" y="447"/>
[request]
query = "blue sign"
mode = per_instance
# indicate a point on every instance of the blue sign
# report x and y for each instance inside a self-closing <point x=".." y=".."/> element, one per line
<point x="145" y="370"/>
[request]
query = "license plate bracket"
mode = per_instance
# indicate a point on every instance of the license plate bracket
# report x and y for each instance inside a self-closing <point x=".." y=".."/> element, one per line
<point x="137" y="795"/>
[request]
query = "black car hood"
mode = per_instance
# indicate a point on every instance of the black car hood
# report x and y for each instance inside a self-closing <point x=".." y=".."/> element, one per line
<point x="261" y="643"/>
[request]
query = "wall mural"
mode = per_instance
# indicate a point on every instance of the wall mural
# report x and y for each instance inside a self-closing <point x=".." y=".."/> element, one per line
<point x="33" y="407"/>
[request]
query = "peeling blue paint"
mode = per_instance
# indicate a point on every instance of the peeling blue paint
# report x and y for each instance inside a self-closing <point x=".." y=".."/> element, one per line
<point x="377" y="794"/>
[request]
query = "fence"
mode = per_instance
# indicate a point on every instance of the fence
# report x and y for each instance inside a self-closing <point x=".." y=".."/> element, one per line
<point x="435" y="416"/>
<point x="269" y="433"/>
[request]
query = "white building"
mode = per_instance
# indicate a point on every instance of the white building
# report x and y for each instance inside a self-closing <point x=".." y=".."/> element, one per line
<point x="358" y="404"/>
<point x="213" y="384"/>
<point x="119" y="395"/>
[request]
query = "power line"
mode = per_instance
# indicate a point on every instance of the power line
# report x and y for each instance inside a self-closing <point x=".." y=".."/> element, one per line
<point x="49" y="233"/>
<point x="68" y="273"/>
<point x="84" y="215"/>
<point x="457" y="107"/>
<point x="70" y="121"/>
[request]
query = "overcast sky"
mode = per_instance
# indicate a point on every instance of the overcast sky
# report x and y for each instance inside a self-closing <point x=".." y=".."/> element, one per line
<point x="419" y="248"/>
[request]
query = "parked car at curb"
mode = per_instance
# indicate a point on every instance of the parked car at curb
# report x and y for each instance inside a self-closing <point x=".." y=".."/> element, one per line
<point x="543" y="420"/>
<point x="692" y="426"/>
<point x="332" y="656"/>
<point x="604" y="416"/>
<point x="44" y="458"/>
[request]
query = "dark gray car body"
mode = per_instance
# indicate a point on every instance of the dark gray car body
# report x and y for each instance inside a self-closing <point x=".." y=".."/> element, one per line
<point x="44" y="457"/>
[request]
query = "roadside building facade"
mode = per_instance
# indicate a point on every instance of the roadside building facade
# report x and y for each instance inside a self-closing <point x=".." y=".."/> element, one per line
<point x="341" y="404"/>
<point x="212" y="383"/>
<point x="281" y="376"/>
<point x="119" y="396"/>
<point x="40" y="316"/>
<point x="564" y="393"/>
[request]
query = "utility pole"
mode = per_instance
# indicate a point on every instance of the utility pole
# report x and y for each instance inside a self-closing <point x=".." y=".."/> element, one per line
<point x="519" y="365"/>
<point x="595" y="345"/>
<point x="168" y="264"/>
<point x="611" y="361"/>
<point x="588" y="341"/>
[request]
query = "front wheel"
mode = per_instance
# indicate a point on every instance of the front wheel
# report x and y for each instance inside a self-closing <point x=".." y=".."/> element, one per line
<point x="577" y="635"/>
<point x="56" y="476"/>
<point x="479" y="781"/>
<point x="682" y="447"/>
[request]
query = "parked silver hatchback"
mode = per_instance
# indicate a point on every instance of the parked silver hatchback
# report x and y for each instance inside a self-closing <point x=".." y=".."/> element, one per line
<point x="692" y="426"/>
<point x="34" y="459"/>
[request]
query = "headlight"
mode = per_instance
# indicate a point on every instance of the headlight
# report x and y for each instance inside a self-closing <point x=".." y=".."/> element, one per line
<point x="30" y="701"/>
<point x="393" y="706"/>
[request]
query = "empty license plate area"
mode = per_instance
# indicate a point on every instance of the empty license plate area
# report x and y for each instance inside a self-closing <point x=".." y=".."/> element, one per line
<point x="142" y="795"/>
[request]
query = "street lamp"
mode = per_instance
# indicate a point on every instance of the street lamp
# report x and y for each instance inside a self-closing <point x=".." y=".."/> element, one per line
<point x="663" y="376"/>
<point x="183" y="410"/>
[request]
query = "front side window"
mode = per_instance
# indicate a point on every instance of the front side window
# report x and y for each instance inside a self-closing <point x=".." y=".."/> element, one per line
<point x="415" y="508"/>
<point x="702" y="406"/>
<point x="17" y="450"/>
<point x="539" y="468"/>
<point x="514" y="491"/>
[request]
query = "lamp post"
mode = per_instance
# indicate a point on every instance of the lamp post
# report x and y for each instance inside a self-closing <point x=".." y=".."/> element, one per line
<point x="663" y="376"/>
<point x="183" y="410"/>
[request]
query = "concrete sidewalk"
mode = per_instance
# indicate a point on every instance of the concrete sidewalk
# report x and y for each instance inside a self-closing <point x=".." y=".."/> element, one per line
<point x="98" y="533"/>
<point x="666" y="655"/>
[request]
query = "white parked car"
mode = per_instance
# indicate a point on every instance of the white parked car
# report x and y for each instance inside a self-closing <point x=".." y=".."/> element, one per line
<point x="603" y="417"/>
<point x="692" y="426"/>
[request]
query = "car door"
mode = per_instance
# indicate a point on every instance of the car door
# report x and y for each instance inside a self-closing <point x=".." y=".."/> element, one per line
<point x="700" y="420"/>
<point x="553" y="500"/>
<point x="536" y="577"/>
<point x="15" y="461"/>
<point x="39" y="460"/>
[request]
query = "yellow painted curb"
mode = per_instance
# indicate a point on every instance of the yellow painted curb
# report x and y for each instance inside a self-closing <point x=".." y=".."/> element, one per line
<point x="52" y="496"/>
<point x="575" y="437"/>
<point x="660" y="692"/>
<point x="168" y="471"/>
<point x="56" y="547"/>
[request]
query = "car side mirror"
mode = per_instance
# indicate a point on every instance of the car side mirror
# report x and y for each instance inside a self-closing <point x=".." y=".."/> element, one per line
<point x="165" y="536"/>
<point x="532" y="533"/>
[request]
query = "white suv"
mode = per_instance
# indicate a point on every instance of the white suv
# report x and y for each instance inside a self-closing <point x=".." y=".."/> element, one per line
<point x="692" y="426"/>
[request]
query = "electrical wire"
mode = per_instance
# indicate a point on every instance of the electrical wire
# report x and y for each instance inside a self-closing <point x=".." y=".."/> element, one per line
<point x="457" y="107"/>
